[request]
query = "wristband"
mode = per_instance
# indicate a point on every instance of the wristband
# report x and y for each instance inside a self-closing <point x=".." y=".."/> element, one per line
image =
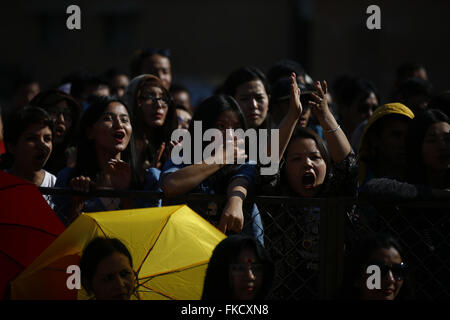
<point x="333" y="130"/>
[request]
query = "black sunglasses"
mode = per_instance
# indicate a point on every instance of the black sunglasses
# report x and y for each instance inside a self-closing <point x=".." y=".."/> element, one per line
<point x="398" y="270"/>
<point x="154" y="100"/>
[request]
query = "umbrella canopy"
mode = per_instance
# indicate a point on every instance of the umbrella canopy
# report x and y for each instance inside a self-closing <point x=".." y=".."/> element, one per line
<point x="170" y="247"/>
<point x="27" y="226"/>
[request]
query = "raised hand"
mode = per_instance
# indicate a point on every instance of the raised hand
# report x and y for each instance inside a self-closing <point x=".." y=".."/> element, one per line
<point x="338" y="144"/>
<point x="229" y="155"/>
<point x="320" y="103"/>
<point x="119" y="173"/>
<point x="295" y="106"/>
<point x="81" y="184"/>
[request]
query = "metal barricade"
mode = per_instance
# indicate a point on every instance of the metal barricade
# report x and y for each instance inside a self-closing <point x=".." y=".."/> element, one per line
<point x="308" y="239"/>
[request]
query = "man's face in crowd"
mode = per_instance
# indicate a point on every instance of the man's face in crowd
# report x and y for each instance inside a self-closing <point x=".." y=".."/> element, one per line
<point x="159" y="66"/>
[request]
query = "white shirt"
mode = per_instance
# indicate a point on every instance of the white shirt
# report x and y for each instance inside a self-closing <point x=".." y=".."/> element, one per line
<point x="48" y="182"/>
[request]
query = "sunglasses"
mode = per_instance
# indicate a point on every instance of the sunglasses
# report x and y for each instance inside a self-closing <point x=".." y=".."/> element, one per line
<point x="154" y="100"/>
<point x="398" y="270"/>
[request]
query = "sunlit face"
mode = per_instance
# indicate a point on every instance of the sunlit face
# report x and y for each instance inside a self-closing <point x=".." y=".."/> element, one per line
<point x="154" y="105"/>
<point x="305" y="167"/>
<point x="254" y="102"/>
<point x="119" y="84"/>
<point x="391" y="143"/>
<point x="33" y="148"/>
<point x="436" y="147"/>
<point x="227" y="120"/>
<point x="390" y="284"/>
<point x="112" y="131"/>
<point x="159" y="66"/>
<point x="246" y="275"/>
<point x="62" y="116"/>
<point x="114" y="279"/>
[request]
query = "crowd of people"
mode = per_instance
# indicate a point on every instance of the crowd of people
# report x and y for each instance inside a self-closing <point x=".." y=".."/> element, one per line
<point x="114" y="131"/>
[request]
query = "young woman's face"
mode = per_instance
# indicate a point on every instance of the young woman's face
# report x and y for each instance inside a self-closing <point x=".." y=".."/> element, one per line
<point x="391" y="282"/>
<point x="62" y="115"/>
<point x="114" y="279"/>
<point x="227" y="120"/>
<point x="112" y="131"/>
<point x="154" y="105"/>
<point x="33" y="148"/>
<point x="436" y="147"/>
<point x="305" y="167"/>
<point x="254" y="102"/>
<point x="246" y="275"/>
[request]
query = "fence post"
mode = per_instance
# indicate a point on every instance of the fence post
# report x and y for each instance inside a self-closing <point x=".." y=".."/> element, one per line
<point x="332" y="235"/>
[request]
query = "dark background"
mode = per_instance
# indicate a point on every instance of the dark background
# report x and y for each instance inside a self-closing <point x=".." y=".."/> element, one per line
<point x="209" y="39"/>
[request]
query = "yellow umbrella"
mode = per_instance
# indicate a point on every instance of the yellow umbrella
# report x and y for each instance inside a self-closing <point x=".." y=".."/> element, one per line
<point x="170" y="246"/>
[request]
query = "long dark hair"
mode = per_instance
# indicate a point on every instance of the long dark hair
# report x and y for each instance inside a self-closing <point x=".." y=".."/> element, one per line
<point x="85" y="164"/>
<point x="358" y="259"/>
<point x="209" y="111"/>
<point x="217" y="280"/>
<point x="416" y="170"/>
<point x="244" y="75"/>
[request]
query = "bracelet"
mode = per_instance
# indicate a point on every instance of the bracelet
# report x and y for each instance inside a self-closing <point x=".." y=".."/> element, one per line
<point x="333" y="130"/>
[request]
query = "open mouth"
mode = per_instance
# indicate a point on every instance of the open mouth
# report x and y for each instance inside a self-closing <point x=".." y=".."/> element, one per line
<point x="308" y="180"/>
<point x="59" y="130"/>
<point x="118" y="136"/>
